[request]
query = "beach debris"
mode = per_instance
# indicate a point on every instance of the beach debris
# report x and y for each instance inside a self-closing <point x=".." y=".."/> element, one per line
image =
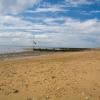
<point x="15" y="91"/>
<point x="53" y="77"/>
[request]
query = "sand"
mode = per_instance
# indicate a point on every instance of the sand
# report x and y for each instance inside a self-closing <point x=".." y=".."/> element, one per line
<point x="59" y="76"/>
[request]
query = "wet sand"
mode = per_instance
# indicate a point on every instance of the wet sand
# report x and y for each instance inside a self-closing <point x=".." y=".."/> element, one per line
<point x="57" y="76"/>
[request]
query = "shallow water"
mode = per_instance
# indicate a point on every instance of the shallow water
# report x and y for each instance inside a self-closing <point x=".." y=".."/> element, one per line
<point x="9" y="49"/>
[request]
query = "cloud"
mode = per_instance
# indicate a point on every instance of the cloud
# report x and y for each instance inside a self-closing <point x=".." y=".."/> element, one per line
<point x="51" y="31"/>
<point x="52" y="9"/>
<point x="14" y="23"/>
<point x="95" y="11"/>
<point x="19" y="38"/>
<point x="78" y="2"/>
<point x="55" y="8"/>
<point x="71" y="33"/>
<point x="15" y="6"/>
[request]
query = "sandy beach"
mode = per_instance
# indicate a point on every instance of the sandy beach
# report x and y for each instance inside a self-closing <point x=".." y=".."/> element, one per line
<point x="57" y="76"/>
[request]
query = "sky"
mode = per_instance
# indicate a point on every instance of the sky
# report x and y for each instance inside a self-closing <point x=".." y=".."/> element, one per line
<point x="51" y="23"/>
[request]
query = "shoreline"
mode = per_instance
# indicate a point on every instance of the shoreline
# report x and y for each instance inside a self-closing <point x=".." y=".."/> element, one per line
<point x="21" y="55"/>
<point x="39" y="52"/>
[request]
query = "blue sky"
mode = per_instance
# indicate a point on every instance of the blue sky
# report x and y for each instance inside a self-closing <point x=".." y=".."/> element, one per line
<point x="53" y="23"/>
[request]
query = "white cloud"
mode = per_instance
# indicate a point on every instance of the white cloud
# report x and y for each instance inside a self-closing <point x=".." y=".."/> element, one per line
<point x="11" y="22"/>
<point x="55" y="8"/>
<point x="78" y="2"/>
<point x="51" y="32"/>
<point x="15" y="6"/>
<point x="52" y="9"/>
<point x="71" y="33"/>
<point x="19" y="38"/>
<point x="96" y="11"/>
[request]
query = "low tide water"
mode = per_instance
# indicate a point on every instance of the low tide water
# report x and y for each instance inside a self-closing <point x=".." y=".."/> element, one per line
<point x="9" y="49"/>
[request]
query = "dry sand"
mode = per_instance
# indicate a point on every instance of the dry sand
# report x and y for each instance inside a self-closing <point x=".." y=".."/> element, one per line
<point x="59" y="76"/>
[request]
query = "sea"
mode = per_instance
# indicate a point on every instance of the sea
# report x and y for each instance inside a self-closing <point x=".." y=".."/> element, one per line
<point x="12" y="49"/>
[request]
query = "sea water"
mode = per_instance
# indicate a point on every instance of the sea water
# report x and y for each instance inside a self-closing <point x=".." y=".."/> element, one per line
<point x="10" y="49"/>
